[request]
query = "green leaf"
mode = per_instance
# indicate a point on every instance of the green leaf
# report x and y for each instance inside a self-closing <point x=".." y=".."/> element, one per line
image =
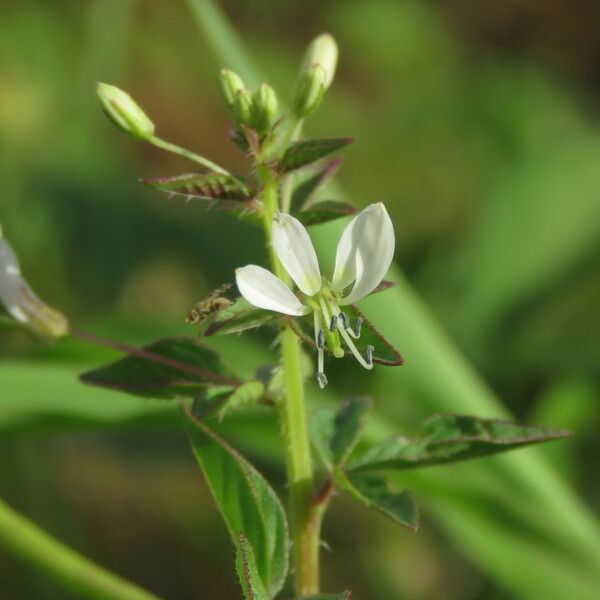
<point x="322" y="212"/>
<point x="246" y="502"/>
<point x="383" y="352"/>
<point x="238" y="317"/>
<point x="300" y="154"/>
<point x="168" y="368"/>
<point x="373" y="491"/>
<point x="208" y="186"/>
<point x="247" y="570"/>
<point x="226" y="192"/>
<point x="335" y="434"/>
<point x="451" y="438"/>
<point x="247" y="394"/>
<point x="305" y="193"/>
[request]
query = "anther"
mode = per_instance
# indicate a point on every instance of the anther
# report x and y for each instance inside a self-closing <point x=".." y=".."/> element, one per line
<point x="343" y="317"/>
<point x="357" y="326"/>
<point x="321" y="339"/>
<point x="369" y="354"/>
<point x="322" y="379"/>
<point x="333" y="324"/>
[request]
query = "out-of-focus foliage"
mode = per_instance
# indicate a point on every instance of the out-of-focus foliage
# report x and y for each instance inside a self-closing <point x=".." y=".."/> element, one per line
<point x="488" y="159"/>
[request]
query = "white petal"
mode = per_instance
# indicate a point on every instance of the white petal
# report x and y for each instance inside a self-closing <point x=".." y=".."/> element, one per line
<point x="366" y="253"/>
<point x="11" y="282"/>
<point x="296" y="253"/>
<point x="261" y="288"/>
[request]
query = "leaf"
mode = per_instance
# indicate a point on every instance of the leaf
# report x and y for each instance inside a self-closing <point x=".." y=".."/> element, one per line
<point x="451" y="438"/>
<point x="322" y="212"/>
<point x="383" y="352"/>
<point x="209" y="186"/>
<point x="168" y="368"/>
<point x="238" y="317"/>
<point x="227" y="192"/>
<point x="335" y="434"/>
<point x="247" y="394"/>
<point x="247" y="570"/>
<point x="373" y="491"/>
<point x="246" y="502"/>
<point x="305" y="192"/>
<point x="300" y="154"/>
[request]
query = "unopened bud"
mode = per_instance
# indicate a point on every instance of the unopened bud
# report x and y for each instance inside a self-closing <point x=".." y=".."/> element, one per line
<point x="231" y="84"/>
<point x="243" y="107"/>
<point x="322" y="51"/>
<point x="124" y="112"/>
<point x="265" y="107"/>
<point x="21" y="302"/>
<point x="309" y="91"/>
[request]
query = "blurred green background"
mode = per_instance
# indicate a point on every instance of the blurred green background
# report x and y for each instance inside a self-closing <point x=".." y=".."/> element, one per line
<point x="476" y="123"/>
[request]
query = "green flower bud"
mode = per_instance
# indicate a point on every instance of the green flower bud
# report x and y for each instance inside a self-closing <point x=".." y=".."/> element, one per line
<point x="243" y="107"/>
<point x="265" y="107"/>
<point x="309" y="91"/>
<point x="231" y="84"/>
<point x="322" y="51"/>
<point x="124" y="112"/>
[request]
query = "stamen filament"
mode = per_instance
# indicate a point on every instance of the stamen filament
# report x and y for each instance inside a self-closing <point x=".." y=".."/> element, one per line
<point x="349" y="341"/>
<point x="320" y="340"/>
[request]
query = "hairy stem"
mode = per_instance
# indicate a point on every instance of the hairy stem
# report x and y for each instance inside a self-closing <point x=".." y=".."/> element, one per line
<point x="28" y="542"/>
<point x="305" y="536"/>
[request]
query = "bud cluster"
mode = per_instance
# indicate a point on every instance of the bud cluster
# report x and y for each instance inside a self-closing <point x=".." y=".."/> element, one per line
<point x="256" y="110"/>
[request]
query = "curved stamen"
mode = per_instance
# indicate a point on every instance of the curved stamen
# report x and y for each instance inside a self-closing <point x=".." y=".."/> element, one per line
<point x="350" y="343"/>
<point x="343" y="318"/>
<point x="357" y="327"/>
<point x="333" y="323"/>
<point x="369" y="354"/>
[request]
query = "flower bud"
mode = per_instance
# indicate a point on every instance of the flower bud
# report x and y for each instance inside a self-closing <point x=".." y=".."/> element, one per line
<point x="309" y="91"/>
<point x="243" y="107"/>
<point x="265" y="107"/>
<point x="124" y="112"/>
<point x="21" y="302"/>
<point x="231" y="84"/>
<point x="322" y="51"/>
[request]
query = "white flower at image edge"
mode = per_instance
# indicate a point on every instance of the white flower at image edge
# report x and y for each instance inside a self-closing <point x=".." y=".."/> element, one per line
<point x="21" y="302"/>
<point x="363" y="257"/>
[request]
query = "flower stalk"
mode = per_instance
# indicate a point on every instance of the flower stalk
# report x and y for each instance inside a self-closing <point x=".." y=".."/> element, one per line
<point x="305" y="537"/>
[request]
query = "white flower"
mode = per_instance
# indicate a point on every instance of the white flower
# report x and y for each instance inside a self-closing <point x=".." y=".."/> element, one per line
<point x="364" y="255"/>
<point x="21" y="301"/>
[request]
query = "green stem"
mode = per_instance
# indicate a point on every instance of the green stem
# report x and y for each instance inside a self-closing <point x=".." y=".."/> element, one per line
<point x="305" y="536"/>
<point x="205" y="162"/>
<point x="28" y="542"/>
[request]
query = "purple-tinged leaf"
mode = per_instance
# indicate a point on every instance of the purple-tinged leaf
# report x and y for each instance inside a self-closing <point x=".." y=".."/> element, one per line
<point x="227" y="192"/>
<point x="300" y="154"/>
<point x="452" y="438"/>
<point x="322" y="212"/>
<point x="306" y="191"/>
<point x="373" y="491"/>
<point x="169" y="368"/>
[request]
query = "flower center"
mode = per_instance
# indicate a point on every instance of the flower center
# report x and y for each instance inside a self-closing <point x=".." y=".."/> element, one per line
<point x="332" y="326"/>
